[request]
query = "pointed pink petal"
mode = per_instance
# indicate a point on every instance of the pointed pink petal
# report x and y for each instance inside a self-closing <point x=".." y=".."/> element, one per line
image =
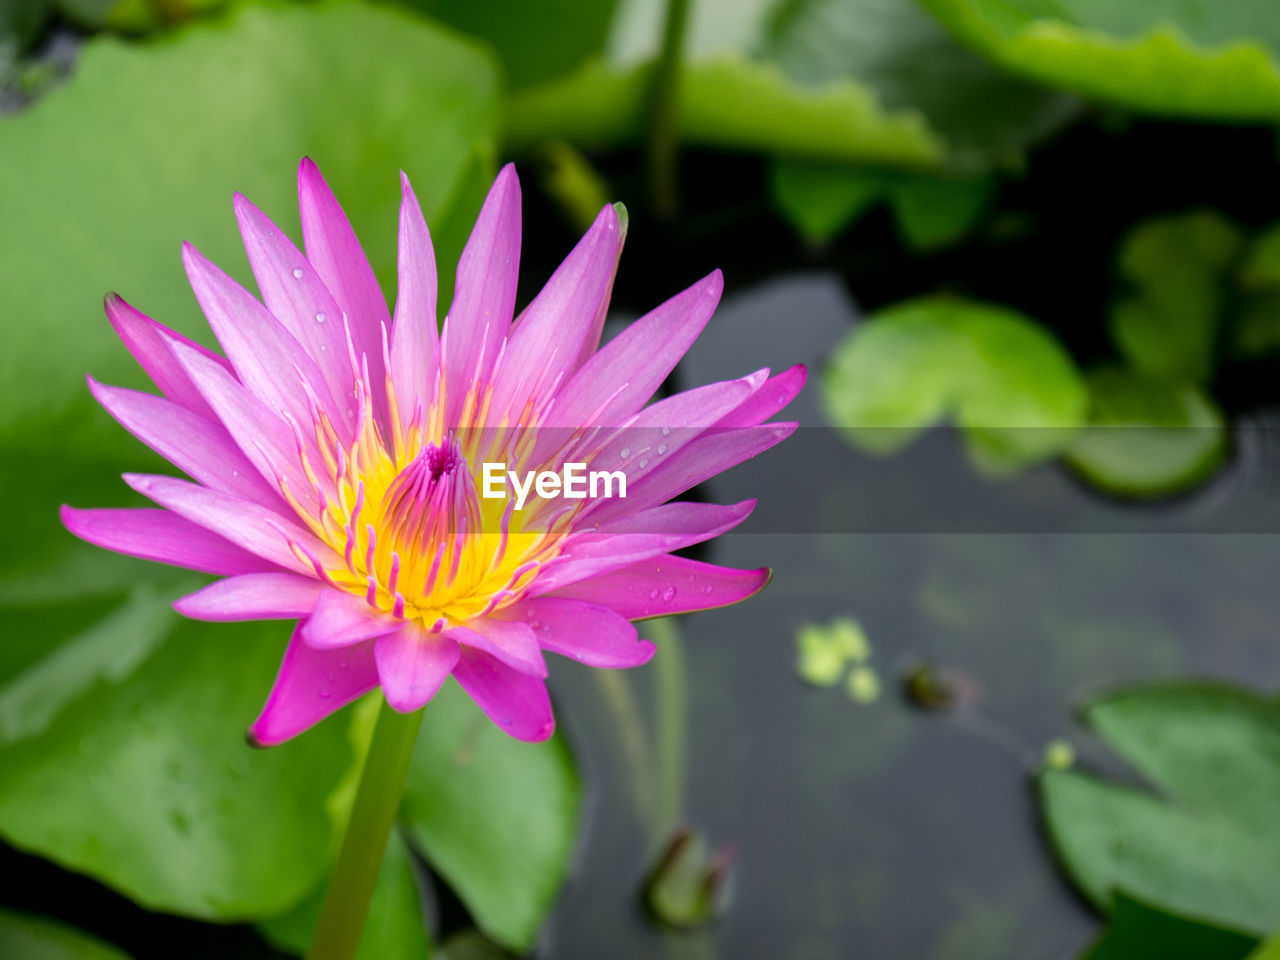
<point x="643" y="535"/>
<point x="311" y="685"/>
<point x="295" y="295"/>
<point x="510" y="641"/>
<point x="415" y="341"/>
<point x="163" y="537"/>
<point x="150" y="343"/>
<point x="253" y="596"/>
<point x="515" y="701"/>
<point x="587" y="632"/>
<point x="340" y="619"/>
<point x="776" y="393"/>
<point x="266" y="357"/>
<point x="412" y="663"/>
<point x="245" y="523"/>
<point x="665" y="584"/>
<point x="549" y="334"/>
<point x="701" y="459"/>
<point x="484" y="296"/>
<point x="591" y="342"/>
<point x="262" y="436"/>
<point x="199" y="447"/>
<point x="637" y="360"/>
<point x="336" y="254"/>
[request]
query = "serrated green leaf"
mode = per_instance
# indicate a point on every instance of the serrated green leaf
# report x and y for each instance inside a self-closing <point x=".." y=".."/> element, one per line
<point x="1207" y="58"/>
<point x="146" y="783"/>
<point x="26" y="937"/>
<point x="1147" y="437"/>
<point x="1177" y="266"/>
<point x="1138" y="931"/>
<point x="1007" y="382"/>
<point x="1203" y="841"/>
<point x="497" y="818"/>
<point x="394" y="929"/>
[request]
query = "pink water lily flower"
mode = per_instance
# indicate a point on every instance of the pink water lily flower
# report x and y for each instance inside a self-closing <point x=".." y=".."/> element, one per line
<point x="335" y="457"/>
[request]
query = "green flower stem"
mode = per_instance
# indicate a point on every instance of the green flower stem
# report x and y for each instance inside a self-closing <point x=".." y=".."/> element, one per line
<point x="373" y="814"/>
<point x="662" y="116"/>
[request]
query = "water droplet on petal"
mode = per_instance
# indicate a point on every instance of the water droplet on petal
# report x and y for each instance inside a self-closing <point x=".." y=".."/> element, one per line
<point x="662" y="448"/>
<point x="320" y="317"/>
<point x="669" y="593"/>
<point x="643" y="464"/>
<point x="325" y="694"/>
<point x="666" y="431"/>
<point x="653" y="594"/>
<point x="706" y="589"/>
<point x="342" y="664"/>
<point x="626" y="452"/>
<point x="297" y="273"/>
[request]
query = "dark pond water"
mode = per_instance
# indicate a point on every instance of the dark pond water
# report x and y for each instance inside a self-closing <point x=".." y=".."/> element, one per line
<point x="883" y="830"/>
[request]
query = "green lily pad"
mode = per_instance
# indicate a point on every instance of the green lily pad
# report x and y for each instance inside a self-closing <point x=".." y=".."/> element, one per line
<point x="169" y="139"/>
<point x="25" y="937"/>
<point x="1205" y="58"/>
<point x="1147" y="436"/>
<point x="1007" y="382"/>
<point x="1138" y="931"/>
<point x="1177" y="266"/>
<point x="496" y="817"/>
<point x="394" y="929"/>
<point x="145" y="782"/>
<point x="1204" y="839"/>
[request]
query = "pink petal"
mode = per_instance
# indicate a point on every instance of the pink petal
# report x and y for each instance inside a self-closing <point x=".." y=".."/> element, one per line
<point x="340" y="619"/>
<point x="587" y="632"/>
<point x="253" y="596"/>
<point x="415" y="341"/>
<point x="644" y="535"/>
<point x="263" y="437"/>
<point x="150" y="343"/>
<point x="549" y="334"/>
<point x="776" y="393"/>
<point x="412" y="663"/>
<point x="163" y="537"/>
<point x="512" y="642"/>
<point x="246" y="524"/>
<point x="296" y="296"/>
<point x="336" y="254"/>
<point x="617" y="380"/>
<point x="485" y="294"/>
<point x="666" y="584"/>
<point x="196" y="445"/>
<point x="701" y="459"/>
<point x="591" y="342"/>
<point x="515" y="701"/>
<point x="266" y="357"/>
<point x="311" y="685"/>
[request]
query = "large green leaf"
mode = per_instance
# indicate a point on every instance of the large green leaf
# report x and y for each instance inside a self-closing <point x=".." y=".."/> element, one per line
<point x="106" y="176"/>
<point x="1205" y="838"/>
<point x="1206" y="58"/>
<point x="1147" y="436"/>
<point x="496" y="817"/>
<point x="146" y="782"/>
<point x="1139" y="931"/>
<point x="24" y="937"/>
<point x="1177" y="266"/>
<point x="394" y="929"/>
<point x="1007" y="382"/>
